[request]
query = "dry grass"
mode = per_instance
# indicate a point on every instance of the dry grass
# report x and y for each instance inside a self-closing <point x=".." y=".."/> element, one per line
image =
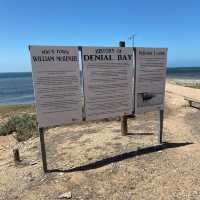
<point x="7" y="110"/>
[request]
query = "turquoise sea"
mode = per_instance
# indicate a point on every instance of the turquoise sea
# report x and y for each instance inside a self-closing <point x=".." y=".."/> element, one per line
<point x="17" y="88"/>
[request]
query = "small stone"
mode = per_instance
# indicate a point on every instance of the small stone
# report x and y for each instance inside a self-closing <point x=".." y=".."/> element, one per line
<point x="61" y="174"/>
<point x="195" y="192"/>
<point x="33" y="163"/>
<point x="31" y="179"/>
<point x="66" y="195"/>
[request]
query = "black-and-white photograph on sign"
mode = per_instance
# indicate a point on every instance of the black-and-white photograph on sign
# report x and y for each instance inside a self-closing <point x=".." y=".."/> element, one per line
<point x="150" y="79"/>
<point x="56" y="79"/>
<point x="108" y="85"/>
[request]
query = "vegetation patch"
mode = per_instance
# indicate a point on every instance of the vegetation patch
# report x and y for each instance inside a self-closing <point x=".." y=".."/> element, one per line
<point x="194" y="86"/>
<point x="7" y="110"/>
<point x="23" y="126"/>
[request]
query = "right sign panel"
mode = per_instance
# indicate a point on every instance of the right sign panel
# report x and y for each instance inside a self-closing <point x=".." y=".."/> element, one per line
<point x="150" y="79"/>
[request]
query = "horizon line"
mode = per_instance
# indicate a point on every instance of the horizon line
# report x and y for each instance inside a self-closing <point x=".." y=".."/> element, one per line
<point x="80" y="70"/>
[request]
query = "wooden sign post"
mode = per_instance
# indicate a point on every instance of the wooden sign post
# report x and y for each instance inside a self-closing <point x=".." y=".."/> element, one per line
<point x="124" y="124"/>
<point x="160" y="128"/>
<point x="43" y="150"/>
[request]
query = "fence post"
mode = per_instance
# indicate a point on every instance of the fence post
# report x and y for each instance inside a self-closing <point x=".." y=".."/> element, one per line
<point x="124" y="125"/>
<point x="16" y="155"/>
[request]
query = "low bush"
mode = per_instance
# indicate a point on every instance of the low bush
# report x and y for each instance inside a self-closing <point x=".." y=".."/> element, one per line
<point x="24" y="127"/>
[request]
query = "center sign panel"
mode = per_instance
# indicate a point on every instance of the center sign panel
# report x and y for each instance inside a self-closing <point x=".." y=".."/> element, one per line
<point x="56" y="80"/>
<point x="150" y="79"/>
<point x="108" y="84"/>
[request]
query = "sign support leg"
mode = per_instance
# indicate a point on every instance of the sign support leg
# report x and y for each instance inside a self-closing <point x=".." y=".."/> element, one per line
<point x="124" y="126"/>
<point x="43" y="150"/>
<point x="160" y="131"/>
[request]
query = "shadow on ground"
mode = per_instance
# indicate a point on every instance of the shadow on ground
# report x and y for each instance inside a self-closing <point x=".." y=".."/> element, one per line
<point x="139" y="134"/>
<point x="121" y="157"/>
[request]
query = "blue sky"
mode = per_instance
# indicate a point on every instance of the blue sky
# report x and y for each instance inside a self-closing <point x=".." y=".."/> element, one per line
<point x="172" y="23"/>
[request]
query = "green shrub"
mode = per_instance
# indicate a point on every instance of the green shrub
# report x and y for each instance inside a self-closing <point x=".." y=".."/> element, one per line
<point x="3" y="130"/>
<point x="24" y="126"/>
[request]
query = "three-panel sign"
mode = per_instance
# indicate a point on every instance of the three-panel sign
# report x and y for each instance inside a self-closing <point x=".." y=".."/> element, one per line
<point x="96" y="82"/>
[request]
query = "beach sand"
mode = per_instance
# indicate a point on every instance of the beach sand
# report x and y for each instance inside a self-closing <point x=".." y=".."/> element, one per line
<point x="97" y="162"/>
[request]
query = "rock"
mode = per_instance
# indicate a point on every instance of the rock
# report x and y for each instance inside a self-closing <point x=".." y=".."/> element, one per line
<point x="61" y="174"/>
<point x="31" y="179"/>
<point x="33" y="162"/>
<point x="66" y="195"/>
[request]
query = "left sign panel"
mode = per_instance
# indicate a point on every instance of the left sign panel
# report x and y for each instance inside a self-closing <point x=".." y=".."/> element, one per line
<point x="56" y="80"/>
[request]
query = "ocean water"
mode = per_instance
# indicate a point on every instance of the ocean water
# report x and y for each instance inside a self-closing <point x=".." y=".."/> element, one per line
<point x="187" y="73"/>
<point x="17" y="88"/>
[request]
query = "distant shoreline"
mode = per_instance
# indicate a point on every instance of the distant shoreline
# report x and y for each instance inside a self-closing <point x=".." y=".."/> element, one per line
<point x="185" y="82"/>
<point x="169" y="69"/>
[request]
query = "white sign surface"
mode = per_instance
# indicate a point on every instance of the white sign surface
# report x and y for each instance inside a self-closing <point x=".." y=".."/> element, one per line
<point x="56" y="79"/>
<point x="150" y="79"/>
<point x="108" y="82"/>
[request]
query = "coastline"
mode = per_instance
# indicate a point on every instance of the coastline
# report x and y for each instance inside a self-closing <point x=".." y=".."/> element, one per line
<point x="193" y="83"/>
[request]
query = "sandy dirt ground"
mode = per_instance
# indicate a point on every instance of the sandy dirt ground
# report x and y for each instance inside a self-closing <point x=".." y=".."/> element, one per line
<point x="94" y="161"/>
